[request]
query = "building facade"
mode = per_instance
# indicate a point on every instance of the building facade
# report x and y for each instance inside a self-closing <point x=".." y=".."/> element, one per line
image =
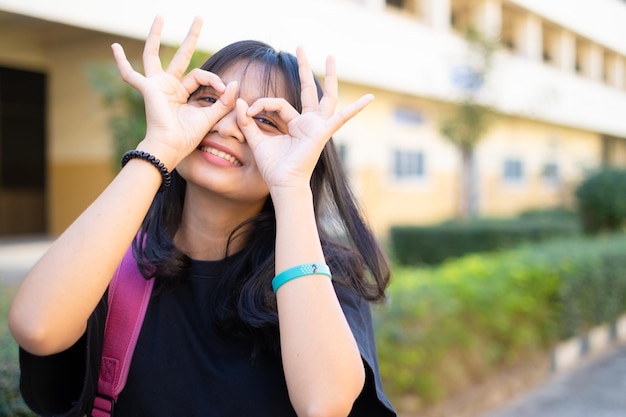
<point x="557" y="85"/>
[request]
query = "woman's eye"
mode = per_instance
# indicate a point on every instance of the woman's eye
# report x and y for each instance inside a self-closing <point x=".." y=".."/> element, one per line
<point x="205" y="100"/>
<point x="264" y="121"/>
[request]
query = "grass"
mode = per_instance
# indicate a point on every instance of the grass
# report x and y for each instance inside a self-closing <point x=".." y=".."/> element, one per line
<point x="11" y="403"/>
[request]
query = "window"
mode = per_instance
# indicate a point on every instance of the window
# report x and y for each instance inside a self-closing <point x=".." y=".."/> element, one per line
<point x="342" y="150"/>
<point x="461" y="15"/>
<point x="513" y="170"/>
<point x="583" y="57"/>
<point x="408" y="6"/>
<point x="509" y="23"/>
<point x="22" y="129"/>
<point x="408" y="116"/>
<point x="396" y="3"/>
<point x="550" y="173"/>
<point x="408" y="164"/>
<point x="550" y="40"/>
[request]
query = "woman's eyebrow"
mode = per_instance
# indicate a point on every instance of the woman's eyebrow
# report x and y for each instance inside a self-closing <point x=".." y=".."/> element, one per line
<point x="268" y="113"/>
<point x="204" y="89"/>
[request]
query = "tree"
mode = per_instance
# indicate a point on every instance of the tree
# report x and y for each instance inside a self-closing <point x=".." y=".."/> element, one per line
<point x="601" y="201"/>
<point x="469" y="119"/>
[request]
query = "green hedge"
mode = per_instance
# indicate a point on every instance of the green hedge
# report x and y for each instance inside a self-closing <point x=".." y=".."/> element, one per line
<point x="431" y="245"/>
<point x="11" y="403"/>
<point x="601" y="200"/>
<point x="447" y="328"/>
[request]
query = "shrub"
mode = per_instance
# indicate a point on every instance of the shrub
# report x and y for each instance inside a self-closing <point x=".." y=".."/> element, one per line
<point x="549" y="215"/>
<point x="11" y="403"/>
<point x="431" y="245"/>
<point x="601" y="199"/>
<point x="448" y="328"/>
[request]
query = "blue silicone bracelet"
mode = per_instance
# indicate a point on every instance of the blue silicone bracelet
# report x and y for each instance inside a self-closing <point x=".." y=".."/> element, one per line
<point x="300" y="271"/>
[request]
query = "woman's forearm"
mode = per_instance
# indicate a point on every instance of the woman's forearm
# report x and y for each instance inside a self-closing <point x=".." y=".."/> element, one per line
<point x="51" y="308"/>
<point x="322" y="363"/>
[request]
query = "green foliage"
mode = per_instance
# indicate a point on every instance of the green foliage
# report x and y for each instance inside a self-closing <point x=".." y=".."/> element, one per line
<point x="549" y="215"/>
<point x="466" y="124"/>
<point x="11" y="403"/>
<point x="602" y="200"/>
<point x="448" y="328"/>
<point x="127" y="118"/>
<point x="431" y="245"/>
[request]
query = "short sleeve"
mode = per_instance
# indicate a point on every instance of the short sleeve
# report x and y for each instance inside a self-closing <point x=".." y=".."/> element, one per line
<point x="372" y="401"/>
<point x="63" y="384"/>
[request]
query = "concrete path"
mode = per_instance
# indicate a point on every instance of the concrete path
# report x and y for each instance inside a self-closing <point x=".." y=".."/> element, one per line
<point x="595" y="388"/>
<point x="17" y="256"/>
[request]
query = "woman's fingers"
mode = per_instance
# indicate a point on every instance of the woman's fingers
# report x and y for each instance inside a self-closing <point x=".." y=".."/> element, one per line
<point x="181" y="59"/>
<point x="199" y="77"/>
<point x="151" y="60"/>
<point x="308" y="95"/>
<point x="128" y="74"/>
<point x="280" y="106"/>
<point x="246" y="123"/>
<point x="326" y="125"/>
<point x="342" y="116"/>
<point x="227" y="100"/>
<point x="222" y="106"/>
<point x="329" y="99"/>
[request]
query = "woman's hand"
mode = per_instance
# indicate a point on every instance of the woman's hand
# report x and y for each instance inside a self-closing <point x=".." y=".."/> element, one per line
<point x="288" y="159"/>
<point x="174" y="128"/>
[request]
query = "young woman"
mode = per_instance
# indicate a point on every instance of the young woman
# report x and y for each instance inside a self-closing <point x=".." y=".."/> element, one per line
<point x="247" y="185"/>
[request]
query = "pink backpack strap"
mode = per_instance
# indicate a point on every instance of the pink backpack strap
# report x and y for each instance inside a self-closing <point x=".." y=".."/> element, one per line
<point x="128" y="298"/>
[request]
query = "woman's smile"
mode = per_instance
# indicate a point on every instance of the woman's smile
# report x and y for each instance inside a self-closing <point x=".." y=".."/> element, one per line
<point x="219" y="157"/>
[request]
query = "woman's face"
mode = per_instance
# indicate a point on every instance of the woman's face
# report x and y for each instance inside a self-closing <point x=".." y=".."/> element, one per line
<point x="223" y="163"/>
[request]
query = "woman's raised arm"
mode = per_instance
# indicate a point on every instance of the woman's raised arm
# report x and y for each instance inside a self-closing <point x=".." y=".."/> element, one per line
<point x="54" y="301"/>
<point x="322" y="363"/>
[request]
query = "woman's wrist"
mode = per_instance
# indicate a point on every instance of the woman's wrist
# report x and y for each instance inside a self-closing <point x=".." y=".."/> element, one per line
<point x="289" y="196"/>
<point x="163" y="152"/>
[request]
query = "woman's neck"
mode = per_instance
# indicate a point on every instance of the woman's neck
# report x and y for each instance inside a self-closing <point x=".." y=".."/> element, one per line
<point x="207" y="224"/>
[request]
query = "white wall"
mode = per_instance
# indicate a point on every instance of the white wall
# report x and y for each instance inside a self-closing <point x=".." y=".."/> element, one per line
<point x="601" y="21"/>
<point x="382" y="50"/>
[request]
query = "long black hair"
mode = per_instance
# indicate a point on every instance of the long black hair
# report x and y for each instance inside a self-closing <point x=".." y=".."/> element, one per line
<point x="244" y="301"/>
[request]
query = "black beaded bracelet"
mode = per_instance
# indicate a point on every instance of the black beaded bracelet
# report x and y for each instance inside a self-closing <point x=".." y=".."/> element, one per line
<point x="165" y="175"/>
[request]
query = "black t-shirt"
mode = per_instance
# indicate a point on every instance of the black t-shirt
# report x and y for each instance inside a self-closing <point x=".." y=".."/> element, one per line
<point x="182" y="367"/>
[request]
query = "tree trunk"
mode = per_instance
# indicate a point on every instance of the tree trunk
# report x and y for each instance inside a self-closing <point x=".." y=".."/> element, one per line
<point x="468" y="204"/>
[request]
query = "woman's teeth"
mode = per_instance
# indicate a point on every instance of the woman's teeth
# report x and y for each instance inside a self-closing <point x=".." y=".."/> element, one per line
<point x="220" y="154"/>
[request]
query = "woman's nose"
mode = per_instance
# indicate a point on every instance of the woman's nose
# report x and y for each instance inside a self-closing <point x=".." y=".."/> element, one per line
<point x="227" y="127"/>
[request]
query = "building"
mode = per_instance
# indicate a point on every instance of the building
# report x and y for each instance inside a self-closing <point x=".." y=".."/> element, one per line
<point x="558" y="85"/>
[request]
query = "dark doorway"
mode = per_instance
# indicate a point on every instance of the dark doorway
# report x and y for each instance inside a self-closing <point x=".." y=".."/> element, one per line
<point x="22" y="152"/>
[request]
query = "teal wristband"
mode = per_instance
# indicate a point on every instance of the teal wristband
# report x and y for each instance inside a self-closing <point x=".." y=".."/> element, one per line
<point x="300" y="271"/>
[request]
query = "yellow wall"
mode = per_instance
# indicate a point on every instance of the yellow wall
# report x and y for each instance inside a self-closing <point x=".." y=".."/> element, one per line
<point x="372" y="135"/>
<point x="574" y="151"/>
<point x="72" y="188"/>
<point x="79" y="158"/>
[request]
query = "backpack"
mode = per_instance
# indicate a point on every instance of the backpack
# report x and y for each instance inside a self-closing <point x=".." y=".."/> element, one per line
<point x="128" y="298"/>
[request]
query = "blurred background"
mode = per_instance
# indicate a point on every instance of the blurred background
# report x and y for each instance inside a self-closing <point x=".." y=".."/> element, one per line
<point x="491" y="165"/>
<point x="548" y="84"/>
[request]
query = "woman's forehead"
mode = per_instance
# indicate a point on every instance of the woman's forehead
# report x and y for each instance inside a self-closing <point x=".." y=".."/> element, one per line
<point x="255" y="79"/>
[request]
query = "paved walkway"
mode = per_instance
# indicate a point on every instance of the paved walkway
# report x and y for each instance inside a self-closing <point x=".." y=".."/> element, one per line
<point x="17" y="256"/>
<point x="596" y="388"/>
